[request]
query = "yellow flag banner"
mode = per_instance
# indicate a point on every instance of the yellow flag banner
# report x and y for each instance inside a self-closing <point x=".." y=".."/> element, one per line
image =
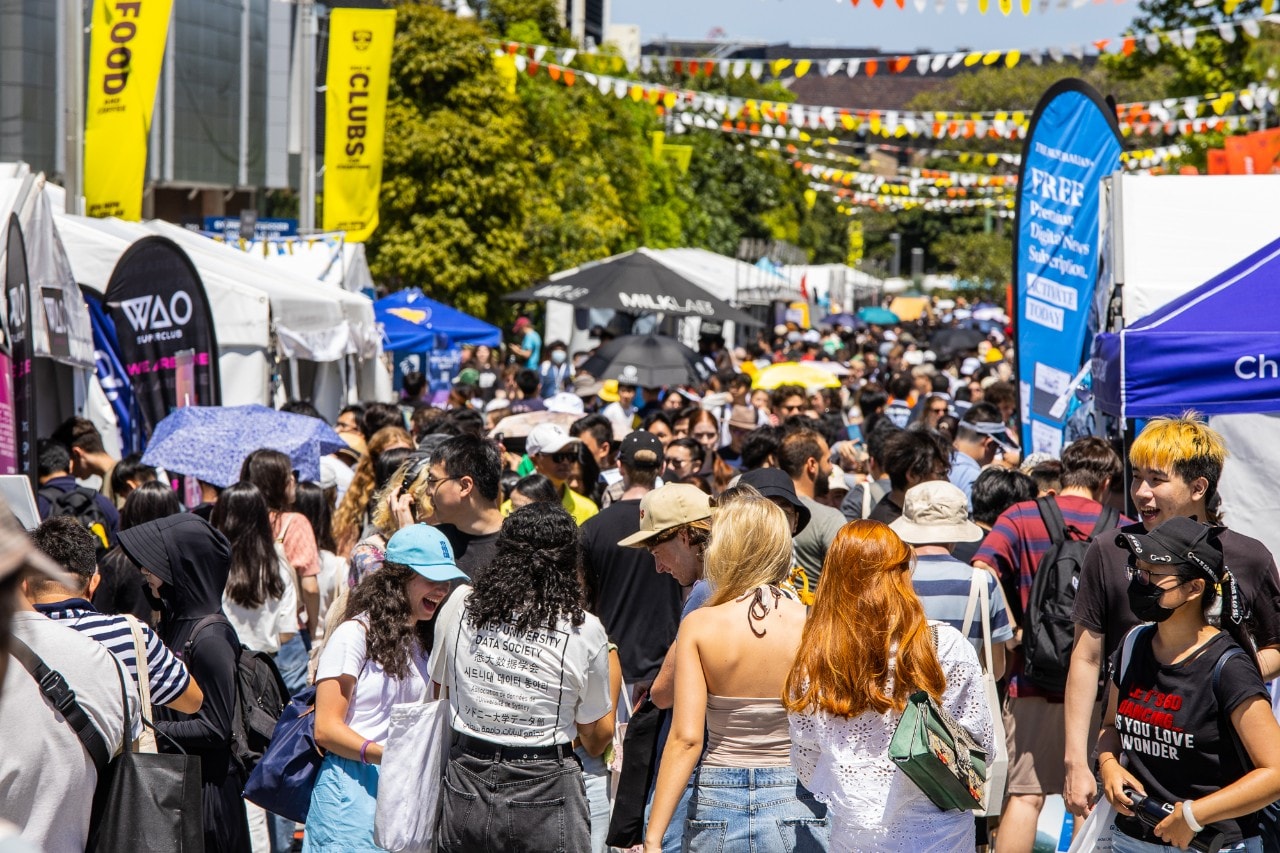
<point x="356" y="117"/>
<point x="126" y="50"/>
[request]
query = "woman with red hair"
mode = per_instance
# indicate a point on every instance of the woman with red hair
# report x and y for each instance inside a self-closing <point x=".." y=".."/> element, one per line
<point x="867" y="647"/>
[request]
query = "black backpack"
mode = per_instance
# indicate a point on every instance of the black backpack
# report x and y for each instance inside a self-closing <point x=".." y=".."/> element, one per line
<point x="260" y="698"/>
<point x="1048" y="631"/>
<point x="81" y="504"/>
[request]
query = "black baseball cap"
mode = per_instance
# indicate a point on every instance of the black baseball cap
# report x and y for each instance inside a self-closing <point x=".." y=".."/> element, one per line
<point x="641" y="449"/>
<point x="774" y="483"/>
<point x="1180" y="541"/>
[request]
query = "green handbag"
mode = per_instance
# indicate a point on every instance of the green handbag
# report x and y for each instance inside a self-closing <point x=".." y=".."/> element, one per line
<point x="939" y="756"/>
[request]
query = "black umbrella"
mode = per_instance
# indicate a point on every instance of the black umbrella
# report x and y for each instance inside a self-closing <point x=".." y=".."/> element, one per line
<point x="649" y="361"/>
<point x="635" y="283"/>
<point x="948" y="342"/>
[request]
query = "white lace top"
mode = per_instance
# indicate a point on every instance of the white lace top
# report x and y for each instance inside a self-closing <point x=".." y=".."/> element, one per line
<point x="871" y="804"/>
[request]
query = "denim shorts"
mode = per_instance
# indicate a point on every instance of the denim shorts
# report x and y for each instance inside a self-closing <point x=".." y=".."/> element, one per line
<point x="342" y="807"/>
<point x="753" y="810"/>
<point x="493" y="806"/>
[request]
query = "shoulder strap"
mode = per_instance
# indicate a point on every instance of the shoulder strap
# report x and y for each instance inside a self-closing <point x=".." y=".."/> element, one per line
<point x="205" y="622"/>
<point x="1106" y="520"/>
<point x="866" y="499"/>
<point x="1053" y="520"/>
<point x="1230" y="733"/>
<point x="1234" y="651"/>
<point x="1126" y="649"/>
<point x="147" y="742"/>
<point x="284" y="528"/>
<point x="63" y="698"/>
<point x="975" y="582"/>
<point x="50" y="493"/>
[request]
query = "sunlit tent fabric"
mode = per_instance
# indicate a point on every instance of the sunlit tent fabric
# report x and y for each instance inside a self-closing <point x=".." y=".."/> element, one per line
<point x="1215" y="349"/>
<point x="413" y="322"/>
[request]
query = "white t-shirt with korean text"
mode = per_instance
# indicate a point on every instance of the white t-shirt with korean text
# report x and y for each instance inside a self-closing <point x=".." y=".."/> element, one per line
<point x="517" y="688"/>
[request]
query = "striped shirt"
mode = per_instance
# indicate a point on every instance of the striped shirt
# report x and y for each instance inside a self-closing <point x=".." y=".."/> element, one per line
<point x="943" y="583"/>
<point x="169" y="676"/>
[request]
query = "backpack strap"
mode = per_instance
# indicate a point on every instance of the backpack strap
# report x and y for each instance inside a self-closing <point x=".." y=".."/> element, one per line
<point x="205" y="622"/>
<point x="63" y="698"/>
<point x="1241" y="754"/>
<point x="1054" y="523"/>
<point x="1106" y="520"/>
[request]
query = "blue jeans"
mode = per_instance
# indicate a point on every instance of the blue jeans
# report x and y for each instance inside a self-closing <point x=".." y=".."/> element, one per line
<point x="595" y="776"/>
<point x="1121" y="843"/>
<point x="761" y="809"/>
<point x="673" y="838"/>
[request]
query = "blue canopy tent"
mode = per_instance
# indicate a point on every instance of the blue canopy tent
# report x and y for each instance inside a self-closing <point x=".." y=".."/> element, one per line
<point x="426" y="336"/>
<point x="413" y="322"/>
<point x="1215" y="349"/>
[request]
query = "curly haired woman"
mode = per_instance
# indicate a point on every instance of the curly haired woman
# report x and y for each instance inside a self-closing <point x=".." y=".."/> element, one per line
<point x="353" y="513"/>
<point x="375" y="659"/>
<point x="527" y="670"/>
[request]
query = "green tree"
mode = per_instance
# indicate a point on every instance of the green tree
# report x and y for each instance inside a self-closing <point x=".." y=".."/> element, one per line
<point x="453" y="205"/>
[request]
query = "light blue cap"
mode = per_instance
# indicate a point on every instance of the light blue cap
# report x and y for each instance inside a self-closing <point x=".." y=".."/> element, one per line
<point x="424" y="549"/>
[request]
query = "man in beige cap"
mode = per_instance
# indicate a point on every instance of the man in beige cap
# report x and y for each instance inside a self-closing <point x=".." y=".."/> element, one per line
<point x="675" y="525"/>
<point x="935" y="516"/>
<point x="57" y="682"/>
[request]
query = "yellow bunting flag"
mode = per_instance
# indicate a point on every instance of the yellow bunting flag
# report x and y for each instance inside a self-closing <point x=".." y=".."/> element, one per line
<point x="356" y="118"/>
<point x="126" y="50"/>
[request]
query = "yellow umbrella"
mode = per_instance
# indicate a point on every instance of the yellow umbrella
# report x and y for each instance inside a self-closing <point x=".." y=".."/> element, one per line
<point x="795" y="373"/>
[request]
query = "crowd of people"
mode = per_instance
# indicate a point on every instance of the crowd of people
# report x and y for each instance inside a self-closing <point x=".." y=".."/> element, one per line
<point x="777" y="574"/>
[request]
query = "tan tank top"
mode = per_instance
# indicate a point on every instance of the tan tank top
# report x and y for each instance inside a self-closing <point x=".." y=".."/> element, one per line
<point x="746" y="732"/>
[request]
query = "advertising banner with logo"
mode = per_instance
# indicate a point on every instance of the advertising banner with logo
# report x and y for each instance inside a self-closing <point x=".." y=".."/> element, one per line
<point x="355" y="118"/>
<point x="17" y="406"/>
<point x="158" y="306"/>
<point x="1073" y="143"/>
<point x="126" y="50"/>
<point x="110" y="370"/>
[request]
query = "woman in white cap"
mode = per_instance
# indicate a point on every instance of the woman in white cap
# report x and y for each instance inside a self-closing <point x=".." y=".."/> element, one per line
<point x="375" y="659"/>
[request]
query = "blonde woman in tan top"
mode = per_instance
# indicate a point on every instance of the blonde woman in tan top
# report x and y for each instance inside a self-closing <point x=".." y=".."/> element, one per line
<point x="733" y="656"/>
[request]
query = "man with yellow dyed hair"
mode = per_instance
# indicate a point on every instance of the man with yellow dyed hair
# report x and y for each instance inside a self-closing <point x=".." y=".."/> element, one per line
<point x="1177" y="463"/>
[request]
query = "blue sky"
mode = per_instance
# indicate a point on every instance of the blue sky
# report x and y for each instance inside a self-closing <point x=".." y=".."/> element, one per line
<point x="829" y="23"/>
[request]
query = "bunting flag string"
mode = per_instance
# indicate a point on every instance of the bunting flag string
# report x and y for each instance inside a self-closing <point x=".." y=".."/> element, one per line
<point x="897" y="63"/>
<point x="1169" y="116"/>
<point x="934" y="182"/>
<point x="880" y="201"/>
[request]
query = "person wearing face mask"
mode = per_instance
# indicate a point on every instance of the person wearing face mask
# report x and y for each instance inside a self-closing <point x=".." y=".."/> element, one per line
<point x="555" y="372"/>
<point x="1189" y="723"/>
<point x="1177" y="463"/>
<point x="186" y="563"/>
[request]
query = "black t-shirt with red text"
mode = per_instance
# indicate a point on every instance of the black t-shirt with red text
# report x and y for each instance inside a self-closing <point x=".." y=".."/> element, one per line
<point x="1175" y="728"/>
<point x="1102" y="602"/>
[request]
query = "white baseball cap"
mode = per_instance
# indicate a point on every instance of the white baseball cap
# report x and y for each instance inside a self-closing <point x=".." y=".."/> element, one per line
<point x="548" y="438"/>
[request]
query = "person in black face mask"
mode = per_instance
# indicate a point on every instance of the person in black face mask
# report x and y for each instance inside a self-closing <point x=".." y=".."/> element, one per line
<point x="1189" y="723"/>
<point x="185" y="563"/>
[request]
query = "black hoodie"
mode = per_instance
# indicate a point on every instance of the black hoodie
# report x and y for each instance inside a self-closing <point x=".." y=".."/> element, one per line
<point x="193" y="560"/>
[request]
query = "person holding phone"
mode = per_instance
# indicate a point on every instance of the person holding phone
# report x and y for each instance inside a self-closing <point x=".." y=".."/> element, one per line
<point x="1189" y="723"/>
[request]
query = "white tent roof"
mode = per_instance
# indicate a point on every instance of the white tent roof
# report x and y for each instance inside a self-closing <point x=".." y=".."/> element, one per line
<point x="312" y="321"/>
<point x="729" y="279"/>
<point x="22" y="193"/>
<point x="241" y="312"/>
<point x="327" y="257"/>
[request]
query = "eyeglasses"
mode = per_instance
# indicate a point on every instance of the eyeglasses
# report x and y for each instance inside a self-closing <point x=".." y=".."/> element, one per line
<point x="1144" y="576"/>
<point x="433" y="482"/>
<point x="702" y="435"/>
<point x="563" y="456"/>
<point x="799" y="408"/>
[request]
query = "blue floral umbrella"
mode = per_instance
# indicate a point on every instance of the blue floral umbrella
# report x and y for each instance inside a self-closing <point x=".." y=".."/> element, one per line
<point x="211" y="442"/>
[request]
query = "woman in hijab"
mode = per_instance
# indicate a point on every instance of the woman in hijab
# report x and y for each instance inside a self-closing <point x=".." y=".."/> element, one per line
<point x="185" y="563"/>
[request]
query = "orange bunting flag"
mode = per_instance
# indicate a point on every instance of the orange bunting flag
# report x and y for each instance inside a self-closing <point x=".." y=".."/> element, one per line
<point x="533" y="68"/>
<point x="553" y="71"/>
<point x="871" y="65"/>
<point x="569" y="77"/>
<point x="902" y="63"/>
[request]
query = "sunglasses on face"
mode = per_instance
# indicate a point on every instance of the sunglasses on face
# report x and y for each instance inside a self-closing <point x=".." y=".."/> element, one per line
<point x="562" y="456"/>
